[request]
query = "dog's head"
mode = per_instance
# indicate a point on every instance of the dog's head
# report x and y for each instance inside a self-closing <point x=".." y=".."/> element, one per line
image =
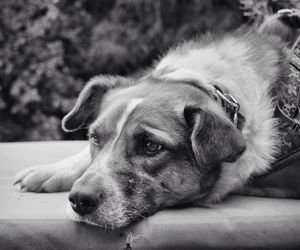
<point x="153" y="144"/>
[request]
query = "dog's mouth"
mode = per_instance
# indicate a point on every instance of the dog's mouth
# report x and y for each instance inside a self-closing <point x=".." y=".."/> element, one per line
<point x="107" y="219"/>
<point x="118" y="213"/>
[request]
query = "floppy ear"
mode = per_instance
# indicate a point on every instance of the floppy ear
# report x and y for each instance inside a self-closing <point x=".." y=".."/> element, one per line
<point x="88" y="103"/>
<point x="214" y="140"/>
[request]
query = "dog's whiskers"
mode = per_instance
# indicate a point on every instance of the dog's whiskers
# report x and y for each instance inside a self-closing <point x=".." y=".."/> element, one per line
<point x="134" y="213"/>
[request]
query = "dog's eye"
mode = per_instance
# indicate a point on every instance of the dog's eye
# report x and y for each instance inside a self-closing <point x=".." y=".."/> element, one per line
<point x="94" y="139"/>
<point x="152" y="148"/>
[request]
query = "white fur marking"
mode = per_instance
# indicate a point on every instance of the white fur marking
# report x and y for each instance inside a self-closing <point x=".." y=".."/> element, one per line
<point x="107" y="155"/>
<point x="120" y="125"/>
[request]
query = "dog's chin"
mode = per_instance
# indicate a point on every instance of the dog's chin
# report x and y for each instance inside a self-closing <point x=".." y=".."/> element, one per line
<point x="94" y="220"/>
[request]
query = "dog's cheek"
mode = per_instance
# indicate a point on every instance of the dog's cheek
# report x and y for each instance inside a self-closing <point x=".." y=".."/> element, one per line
<point x="178" y="183"/>
<point x="145" y="195"/>
<point x="128" y="181"/>
<point x="138" y="190"/>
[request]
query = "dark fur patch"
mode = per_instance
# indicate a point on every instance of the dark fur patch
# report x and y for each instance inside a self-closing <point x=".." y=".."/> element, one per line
<point x="128" y="181"/>
<point x="150" y="197"/>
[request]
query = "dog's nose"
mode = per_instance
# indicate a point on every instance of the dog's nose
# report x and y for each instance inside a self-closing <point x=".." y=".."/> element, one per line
<point x="84" y="201"/>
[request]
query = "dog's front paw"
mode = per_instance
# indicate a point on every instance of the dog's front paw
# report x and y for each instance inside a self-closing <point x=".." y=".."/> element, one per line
<point x="46" y="178"/>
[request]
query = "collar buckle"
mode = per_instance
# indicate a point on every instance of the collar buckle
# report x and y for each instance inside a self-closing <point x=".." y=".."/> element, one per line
<point x="229" y="99"/>
<point x="230" y="105"/>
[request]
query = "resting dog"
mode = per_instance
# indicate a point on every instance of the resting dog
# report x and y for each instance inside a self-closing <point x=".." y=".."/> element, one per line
<point x="196" y="127"/>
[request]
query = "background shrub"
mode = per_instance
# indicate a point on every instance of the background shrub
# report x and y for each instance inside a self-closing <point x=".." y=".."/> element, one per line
<point x="49" y="49"/>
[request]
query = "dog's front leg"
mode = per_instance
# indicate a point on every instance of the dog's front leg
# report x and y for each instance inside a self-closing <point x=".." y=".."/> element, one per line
<point x="234" y="175"/>
<point x="231" y="179"/>
<point x="56" y="177"/>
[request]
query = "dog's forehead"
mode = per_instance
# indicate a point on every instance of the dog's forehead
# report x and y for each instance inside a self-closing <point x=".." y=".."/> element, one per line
<point x="138" y="111"/>
<point x="110" y="116"/>
<point x="157" y="113"/>
<point x="160" y="105"/>
<point x="135" y="107"/>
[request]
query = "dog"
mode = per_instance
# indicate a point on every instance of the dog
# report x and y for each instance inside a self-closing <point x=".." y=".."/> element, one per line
<point x="196" y="127"/>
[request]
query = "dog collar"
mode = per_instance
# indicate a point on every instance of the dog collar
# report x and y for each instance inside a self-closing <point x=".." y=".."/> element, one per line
<point x="230" y="105"/>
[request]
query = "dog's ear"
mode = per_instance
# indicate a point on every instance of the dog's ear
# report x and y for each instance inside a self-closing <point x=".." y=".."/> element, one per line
<point x="88" y="103"/>
<point x="214" y="139"/>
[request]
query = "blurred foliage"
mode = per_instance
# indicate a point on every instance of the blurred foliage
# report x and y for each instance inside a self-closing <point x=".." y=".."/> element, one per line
<point x="256" y="10"/>
<point x="49" y="49"/>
